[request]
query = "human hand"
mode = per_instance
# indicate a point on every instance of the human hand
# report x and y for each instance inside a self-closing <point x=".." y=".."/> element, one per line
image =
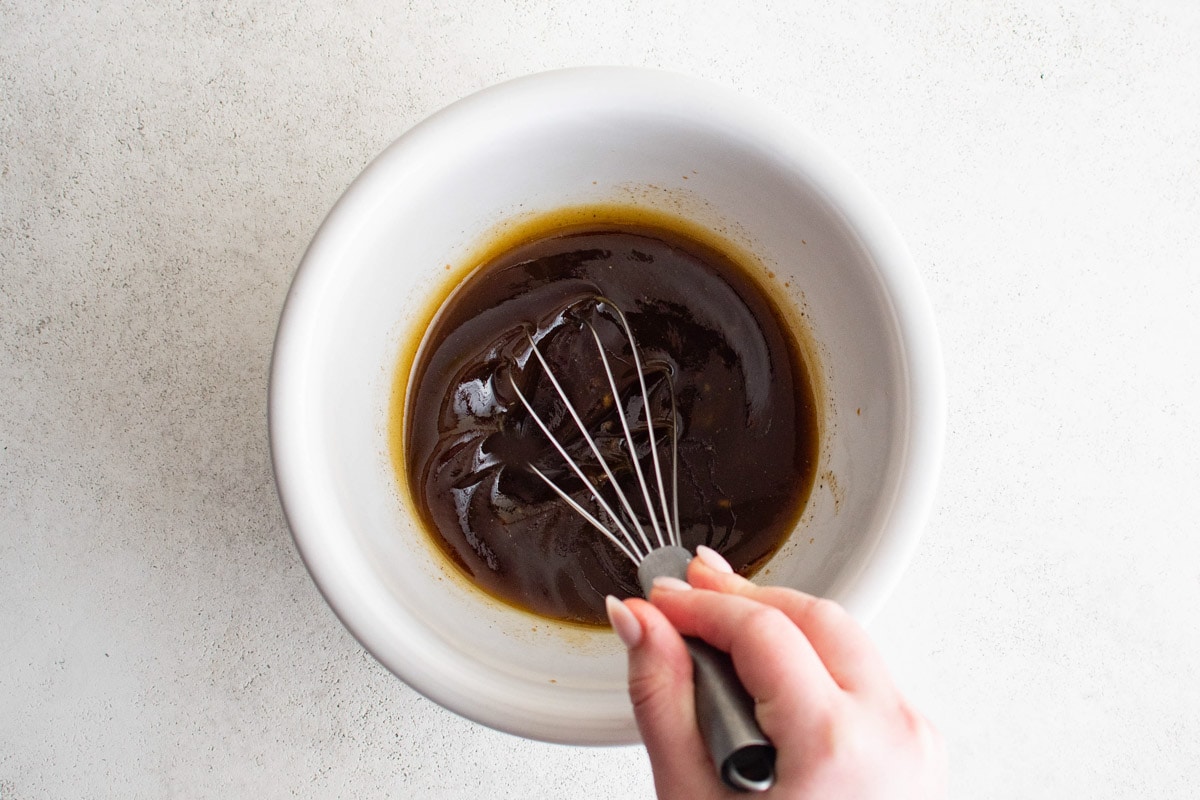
<point x="823" y="695"/>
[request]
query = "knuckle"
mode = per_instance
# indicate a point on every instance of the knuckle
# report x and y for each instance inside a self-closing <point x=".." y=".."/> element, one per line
<point x="758" y="629"/>
<point x="824" y="610"/>
<point x="763" y="620"/>
<point x="656" y="683"/>
<point x="926" y="734"/>
<point x="646" y="690"/>
<point x="911" y="720"/>
<point x="917" y="732"/>
<point x="840" y="740"/>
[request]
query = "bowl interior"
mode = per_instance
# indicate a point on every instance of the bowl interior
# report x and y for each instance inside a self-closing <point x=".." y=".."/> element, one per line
<point x="576" y="138"/>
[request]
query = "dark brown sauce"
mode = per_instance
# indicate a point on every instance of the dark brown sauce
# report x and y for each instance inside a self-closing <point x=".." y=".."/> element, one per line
<point x="748" y="429"/>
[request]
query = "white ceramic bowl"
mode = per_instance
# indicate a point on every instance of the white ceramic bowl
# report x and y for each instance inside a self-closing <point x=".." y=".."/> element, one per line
<point x="592" y="135"/>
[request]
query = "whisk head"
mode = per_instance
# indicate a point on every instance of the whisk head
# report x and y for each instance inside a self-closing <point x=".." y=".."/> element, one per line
<point x="744" y="757"/>
<point x="643" y="517"/>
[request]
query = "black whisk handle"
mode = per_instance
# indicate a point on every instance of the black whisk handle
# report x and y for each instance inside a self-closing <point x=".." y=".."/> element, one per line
<point x="743" y="755"/>
<point x="725" y="715"/>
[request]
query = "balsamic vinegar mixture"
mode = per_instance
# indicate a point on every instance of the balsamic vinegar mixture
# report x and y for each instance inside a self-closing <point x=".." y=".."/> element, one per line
<point x="747" y="447"/>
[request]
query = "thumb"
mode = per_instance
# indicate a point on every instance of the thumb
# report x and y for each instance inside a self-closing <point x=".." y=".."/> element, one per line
<point x="663" y="697"/>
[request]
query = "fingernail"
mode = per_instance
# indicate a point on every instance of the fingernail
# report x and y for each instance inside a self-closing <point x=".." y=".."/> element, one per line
<point x="712" y="559"/>
<point x="623" y="622"/>
<point x="670" y="584"/>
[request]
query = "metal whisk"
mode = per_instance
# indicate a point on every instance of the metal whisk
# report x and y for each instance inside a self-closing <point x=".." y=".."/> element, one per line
<point x="743" y="755"/>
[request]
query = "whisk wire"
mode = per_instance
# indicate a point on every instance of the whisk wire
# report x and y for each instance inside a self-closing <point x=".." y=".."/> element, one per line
<point x="579" y="473"/>
<point x="667" y="532"/>
<point x="676" y="532"/>
<point x="592" y="488"/>
<point x="658" y="476"/>
<point x="612" y="383"/>
<point x="633" y="555"/>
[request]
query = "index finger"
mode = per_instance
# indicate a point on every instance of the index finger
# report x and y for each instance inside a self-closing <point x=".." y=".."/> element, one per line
<point x="843" y="646"/>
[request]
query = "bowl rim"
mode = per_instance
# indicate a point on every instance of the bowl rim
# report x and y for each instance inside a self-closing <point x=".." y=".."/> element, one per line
<point x="920" y="345"/>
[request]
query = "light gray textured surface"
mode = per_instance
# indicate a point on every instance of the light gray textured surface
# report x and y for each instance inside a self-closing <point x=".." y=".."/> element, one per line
<point x="162" y="167"/>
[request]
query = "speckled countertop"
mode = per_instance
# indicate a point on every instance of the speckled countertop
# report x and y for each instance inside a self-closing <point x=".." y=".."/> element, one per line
<point x="162" y="167"/>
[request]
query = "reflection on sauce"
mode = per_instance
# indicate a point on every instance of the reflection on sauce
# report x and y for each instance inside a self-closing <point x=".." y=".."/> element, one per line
<point x="748" y="429"/>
